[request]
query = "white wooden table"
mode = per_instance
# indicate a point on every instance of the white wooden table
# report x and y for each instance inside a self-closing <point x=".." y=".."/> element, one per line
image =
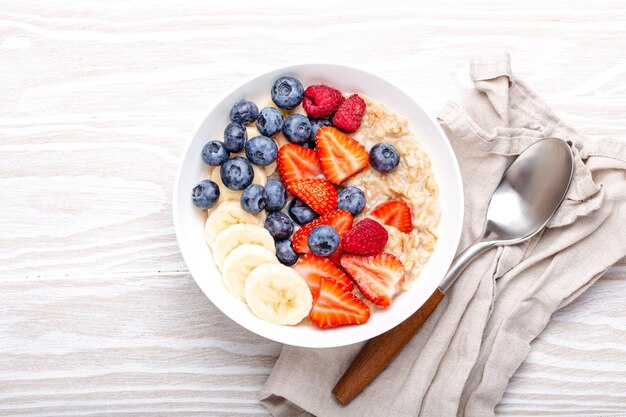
<point x="98" y="315"/>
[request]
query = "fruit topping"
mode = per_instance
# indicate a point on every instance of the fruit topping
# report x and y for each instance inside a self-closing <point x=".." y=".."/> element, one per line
<point x="313" y="268"/>
<point x="261" y="150"/>
<point x="349" y="115"/>
<point x="335" y="305"/>
<point x="367" y="237"/>
<point x="321" y="100"/>
<point x="378" y="277"/>
<point x="244" y="112"/>
<point x="340" y="155"/>
<point x="317" y="193"/>
<point x="394" y="213"/>
<point x="205" y="194"/>
<point x="287" y="93"/>
<point x="384" y="157"/>
<point x="237" y="173"/>
<point x="351" y="199"/>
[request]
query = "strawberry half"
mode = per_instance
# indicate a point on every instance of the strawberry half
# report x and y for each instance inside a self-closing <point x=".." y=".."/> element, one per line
<point x="340" y="156"/>
<point x="340" y="220"/>
<point x="313" y="268"/>
<point x="317" y="193"/>
<point x="297" y="162"/>
<point x="335" y="305"/>
<point x="394" y="213"/>
<point x="378" y="277"/>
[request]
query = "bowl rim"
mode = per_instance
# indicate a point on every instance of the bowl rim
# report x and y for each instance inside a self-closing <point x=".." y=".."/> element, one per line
<point x="286" y="68"/>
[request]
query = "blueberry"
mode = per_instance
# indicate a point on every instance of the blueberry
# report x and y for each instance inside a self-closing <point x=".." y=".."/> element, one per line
<point x="253" y="198"/>
<point x="235" y="136"/>
<point x="285" y="253"/>
<point x="214" y="153"/>
<point x="384" y="157"/>
<point x="237" y="173"/>
<point x="261" y="150"/>
<point x="297" y="129"/>
<point x="270" y="121"/>
<point x="279" y="225"/>
<point x="276" y="195"/>
<point x="300" y="212"/>
<point x="351" y="199"/>
<point x="323" y="240"/>
<point x="287" y="93"/>
<point x="244" y="112"/>
<point x="316" y="124"/>
<point x="205" y="194"/>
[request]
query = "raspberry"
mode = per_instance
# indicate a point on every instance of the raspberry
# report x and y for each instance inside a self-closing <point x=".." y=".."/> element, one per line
<point x="368" y="237"/>
<point x="349" y="114"/>
<point x="321" y="100"/>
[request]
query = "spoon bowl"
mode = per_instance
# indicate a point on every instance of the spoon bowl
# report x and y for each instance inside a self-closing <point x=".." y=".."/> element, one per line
<point x="530" y="192"/>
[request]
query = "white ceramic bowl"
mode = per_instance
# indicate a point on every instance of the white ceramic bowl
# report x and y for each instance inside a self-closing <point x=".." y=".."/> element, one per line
<point x="189" y="221"/>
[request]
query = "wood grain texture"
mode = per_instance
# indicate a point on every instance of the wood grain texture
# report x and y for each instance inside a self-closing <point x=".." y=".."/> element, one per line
<point x="98" y="314"/>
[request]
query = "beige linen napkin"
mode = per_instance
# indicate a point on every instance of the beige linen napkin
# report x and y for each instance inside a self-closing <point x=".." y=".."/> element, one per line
<point x="461" y="360"/>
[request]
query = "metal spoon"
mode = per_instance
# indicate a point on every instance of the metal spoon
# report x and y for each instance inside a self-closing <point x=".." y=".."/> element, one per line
<point x="530" y="192"/>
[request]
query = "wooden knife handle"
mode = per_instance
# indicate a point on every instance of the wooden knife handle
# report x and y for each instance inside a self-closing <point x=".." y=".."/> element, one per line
<point x="380" y="351"/>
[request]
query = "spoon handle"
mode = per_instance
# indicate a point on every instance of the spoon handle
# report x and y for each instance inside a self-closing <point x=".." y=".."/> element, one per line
<point x="461" y="262"/>
<point x="381" y="350"/>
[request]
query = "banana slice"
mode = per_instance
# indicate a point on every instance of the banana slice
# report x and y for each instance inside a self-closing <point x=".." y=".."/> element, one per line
<point x="240" y="262"/>
<point x="226" y="214"/>
<point x="237" y="235"/>
<point x="278" y="294"/>
<point x="226" y="194"/>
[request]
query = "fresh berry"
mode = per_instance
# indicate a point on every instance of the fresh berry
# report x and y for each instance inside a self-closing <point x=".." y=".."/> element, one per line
<point x="270" y="121"/>
<point x="300" y="212"/>
<point x="235" y="137"/>
<point x="349" y="115"/>
<point x="378" y="277"/>
<point x="253" y="198"/>
<point x="340" y="220"/>
<point x="313" y="268"/>
<point x="287" y="93"/>
<point x="296" y="163"/>
<point x="394" y="213"/>
<point x="340" y="156"/>
<point x="323" y="240"/>
<point x="351" y="199"/>
<point x="297" y="129"/>
<point x="285" y="253"/>
<point x="237" y="173"/>
<point x="276" y="195"/>
<point x="321" y="100"/>
<point x="335" y="305"/>
<point x="384" y="157"/>
<point x="367" y="237"/>
<point x="205" y="194"/>
<point x="244" y="112"/>
<point x="317" y="193"/>
<point x="279" y="225"/>
<point x="214" y="153"/>
<point x="261" y="150"/>
<point x="316" y="124"/>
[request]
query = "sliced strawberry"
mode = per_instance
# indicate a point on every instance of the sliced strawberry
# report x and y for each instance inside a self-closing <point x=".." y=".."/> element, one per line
<point x="317" y="193"/>
<point x="335" y="305"/>
<point x="313" y="268"/>
<point x="340" y="156"/>
<point x="297" y="162"/>
<point x="340" y="220"/>
<point x="394" y="213"/>
<point x="378" y="277"/>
